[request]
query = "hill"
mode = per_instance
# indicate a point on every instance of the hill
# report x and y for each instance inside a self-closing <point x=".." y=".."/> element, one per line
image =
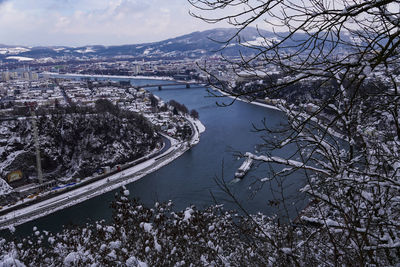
<point x="193" y="45"/>
<point x="75" y="142"/>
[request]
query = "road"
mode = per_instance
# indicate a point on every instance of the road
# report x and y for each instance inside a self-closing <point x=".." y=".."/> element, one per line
<point x="33" y="191"/>
<point x="76" y="195"/>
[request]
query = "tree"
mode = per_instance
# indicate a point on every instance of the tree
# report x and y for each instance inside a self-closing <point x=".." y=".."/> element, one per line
<point x="164" y="108"/>
<point x="175" y="111"/>
<point x="105" y="105"/>
<point x="56" y="104"/>
<point x="347" y="138"/>
<point x="178" y="107"/>
<point x="194" y="114"/>
<point x="153" y="100"/>
<point x="149" y="236"/>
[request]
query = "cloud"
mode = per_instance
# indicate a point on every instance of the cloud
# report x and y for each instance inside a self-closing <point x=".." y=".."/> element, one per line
<point x="85" y="22"/>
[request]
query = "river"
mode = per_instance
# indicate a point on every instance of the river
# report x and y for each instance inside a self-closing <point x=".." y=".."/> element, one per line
<point x="190" y="179"/>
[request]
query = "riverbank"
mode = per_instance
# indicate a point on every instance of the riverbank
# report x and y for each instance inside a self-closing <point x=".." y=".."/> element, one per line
<point x="302" y="114"/>
<point x="85" y="192"/>
<point x="137" y="77"/>
<point x="245" y="101"/>
<point x="190" y="179"/>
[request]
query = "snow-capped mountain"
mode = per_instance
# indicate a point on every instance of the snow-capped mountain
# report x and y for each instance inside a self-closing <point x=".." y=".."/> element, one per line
<point x="191" y="45"/>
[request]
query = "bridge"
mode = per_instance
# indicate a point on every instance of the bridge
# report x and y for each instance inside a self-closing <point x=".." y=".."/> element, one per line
<point x="163" y="85"/>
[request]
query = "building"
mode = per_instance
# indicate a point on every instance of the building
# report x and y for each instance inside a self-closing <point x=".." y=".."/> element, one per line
<point x="5" y="76"/>
<point x="34" y="76"/>
<point x="136" y="69"/>
<point x="25" y="76"/>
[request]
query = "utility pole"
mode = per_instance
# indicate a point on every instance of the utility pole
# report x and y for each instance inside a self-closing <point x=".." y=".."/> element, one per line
<point x="36" y="138"/>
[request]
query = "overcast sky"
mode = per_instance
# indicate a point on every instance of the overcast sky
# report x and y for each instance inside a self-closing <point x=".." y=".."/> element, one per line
<point x="87" y="22"/>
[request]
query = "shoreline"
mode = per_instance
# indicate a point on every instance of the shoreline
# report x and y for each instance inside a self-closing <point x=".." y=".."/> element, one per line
<point x="314" y="119"/>
<point x="112" y="182"/>
<point x="137" y="77"/>
<point x="80" y="194"/>
<point x="248" y="102"/>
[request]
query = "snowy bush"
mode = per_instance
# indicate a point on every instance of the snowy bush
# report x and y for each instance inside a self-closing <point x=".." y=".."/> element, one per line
<point x="158" y="236"/>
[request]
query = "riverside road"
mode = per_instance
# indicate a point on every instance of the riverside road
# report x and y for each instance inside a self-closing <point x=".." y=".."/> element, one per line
<point x="91" y="190"/>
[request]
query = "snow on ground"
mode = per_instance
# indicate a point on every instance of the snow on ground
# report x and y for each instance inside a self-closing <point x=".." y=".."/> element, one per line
<point x="253" y="102"/>
<point x="261" y="41"/>
<point x="87" y="50"/>
<point x="33" y="186"/>
<point x="10" y="158"/>
<point x="45" y="60"/>
<point x="316" y="120"/>
<point x="262" y="105"/>
<point x="10" y="260"/>
<point x="200" y="126"/>
<point x="20" y="58"/>
<point x="198" y="129"/>
<point x="147" y="51"/>
<point x="197" y="123"/>
<point x="188" y="214"/>
<point x="13" y="50"/>
<point x="4" y="188"/>
<point x="102" y="186"/>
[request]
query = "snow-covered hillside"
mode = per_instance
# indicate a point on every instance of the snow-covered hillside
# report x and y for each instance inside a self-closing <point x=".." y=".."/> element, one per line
<point x="74" y="143"/>
<point x="5" y="188"/>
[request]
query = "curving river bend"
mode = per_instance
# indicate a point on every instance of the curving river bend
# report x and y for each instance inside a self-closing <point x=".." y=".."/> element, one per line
<point x="190" y="179"/>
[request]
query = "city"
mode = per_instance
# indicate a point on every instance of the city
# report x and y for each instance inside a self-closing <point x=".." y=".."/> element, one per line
<point x="199" y="133"/>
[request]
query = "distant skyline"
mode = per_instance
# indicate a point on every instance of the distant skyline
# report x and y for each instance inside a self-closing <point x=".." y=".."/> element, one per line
<point x="91" y="22"/>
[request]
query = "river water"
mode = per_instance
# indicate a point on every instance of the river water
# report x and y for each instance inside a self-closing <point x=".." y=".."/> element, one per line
<point x="191" y="179"/>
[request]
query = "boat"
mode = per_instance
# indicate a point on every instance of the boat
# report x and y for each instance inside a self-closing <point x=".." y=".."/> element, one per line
<point x="244" y="168"/>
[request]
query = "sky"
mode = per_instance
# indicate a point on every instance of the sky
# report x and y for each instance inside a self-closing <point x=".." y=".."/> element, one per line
<point x="89" y="22"/>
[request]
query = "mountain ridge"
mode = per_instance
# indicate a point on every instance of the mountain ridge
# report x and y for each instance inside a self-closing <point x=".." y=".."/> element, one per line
<point x="192" y="45"/>
<point x="218" y="41"/>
